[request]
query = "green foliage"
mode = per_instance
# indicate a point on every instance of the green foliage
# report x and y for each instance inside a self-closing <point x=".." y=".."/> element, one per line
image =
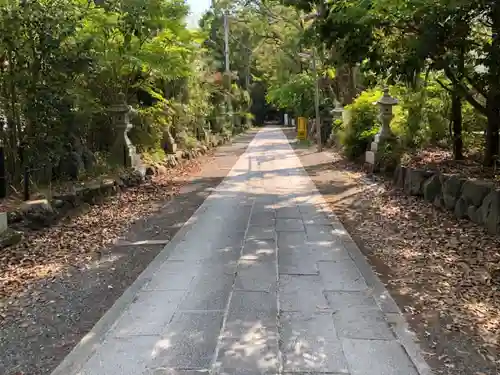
<point x="422" y="114"/>
<point x="422" y="117"/>
<point x="149" y="127"/>
<point x="389" y="155"/>
<point x="154" y="156"/>
<point x="395" y="42"/>
<point x="188" y="142"/>
<point x="295" y="96"/>
<point x="263" y="43"/>
<point x="64" y="63"/>
<point x="362" y="125"/>
<point x="337" y="126"/>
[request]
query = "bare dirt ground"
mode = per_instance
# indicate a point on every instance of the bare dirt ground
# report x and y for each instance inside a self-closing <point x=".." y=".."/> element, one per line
<point x="440" y="270"/>
<point x="57" y="283"/>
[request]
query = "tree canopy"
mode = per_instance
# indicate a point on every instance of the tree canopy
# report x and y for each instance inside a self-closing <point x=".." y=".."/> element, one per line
<point x="64" y="63"/>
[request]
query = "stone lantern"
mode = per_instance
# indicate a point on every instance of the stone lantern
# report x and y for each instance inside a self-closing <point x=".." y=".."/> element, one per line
<point x="385" y="104"/>
<point x="338" y="111"/>
<point x="123" y="151"/>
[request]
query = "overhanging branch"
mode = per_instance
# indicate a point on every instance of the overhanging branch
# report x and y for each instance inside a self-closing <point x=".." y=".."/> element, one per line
<point x="465" y="92"/>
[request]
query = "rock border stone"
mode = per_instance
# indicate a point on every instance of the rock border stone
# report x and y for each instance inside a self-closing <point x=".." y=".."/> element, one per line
<point x="476" y="200"/>
<point x="37" y="214"/>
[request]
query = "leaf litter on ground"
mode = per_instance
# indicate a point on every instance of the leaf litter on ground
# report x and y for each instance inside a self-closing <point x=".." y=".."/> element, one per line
<point x="78" y="240"/>
<point x="449" y="266"/>
<point x="442" y="160"/>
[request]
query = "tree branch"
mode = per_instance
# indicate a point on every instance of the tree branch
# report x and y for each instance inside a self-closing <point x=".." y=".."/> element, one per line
<point x="479" y="89"/>
<point x="443" y="85"/>
<point x="465" y="92"/>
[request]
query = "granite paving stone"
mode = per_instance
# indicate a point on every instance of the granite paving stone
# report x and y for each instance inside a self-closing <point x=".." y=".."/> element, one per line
<point x="301" y="293"/>
<point x="289" y="225"/>
<point x="189" y="341"/>
<point x="263" y="219"/>
<point x="261" y="233"/>
<point x="149" y="314"/>
<point x="341" y="275"/>
<point x="123" y="356"/>
<point x="288" y="212"/>
<point x="319" y="232"/>
<point x="286" y="239"/>
<point x="310" y="343"/>
<point x="210" y="291"/>
<point x="256" y="275"/>
<point x="357" y="316"/>
<point x="263" y="250"/>
<point x="297" y="260"/>
<point x="174" y="275"/>
<point x="373" y="357"/>
<point x="250" y="338"/>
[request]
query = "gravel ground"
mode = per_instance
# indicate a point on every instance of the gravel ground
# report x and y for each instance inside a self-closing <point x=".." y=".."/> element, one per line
<point x="59" y="283"/>
<point x="436" y="267"/>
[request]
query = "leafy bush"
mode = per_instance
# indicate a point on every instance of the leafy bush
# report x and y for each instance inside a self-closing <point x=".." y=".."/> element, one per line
<point x="69" y="61"/>
<point x="337" y="126"/>
<point x="189" y="142"/>
<point x="421" y="116"/>
<point x="474" y="125"/>
<point x="150" y="124"/>
<point x="295" y="96"/>
<point x="389" y="155"/>
<point x="363" y="124"/>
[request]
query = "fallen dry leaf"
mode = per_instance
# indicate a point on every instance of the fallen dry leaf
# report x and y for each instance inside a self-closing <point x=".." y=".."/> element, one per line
<point x="442" y="160"/>
<point x="442" y="270"/>
<point x="79" y="240"/>
<point x="443" y="262"/>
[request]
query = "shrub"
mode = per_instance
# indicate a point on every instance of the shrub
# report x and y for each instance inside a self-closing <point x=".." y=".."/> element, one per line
<point x="149" y="125"/>
<point x="296" y="95"/>
<point x="474" y="125"/>
<point x="362" y="125"/>
<point x="421" y="118"/>
<point x="389" y="155"/>
<point x="337" y="126"/>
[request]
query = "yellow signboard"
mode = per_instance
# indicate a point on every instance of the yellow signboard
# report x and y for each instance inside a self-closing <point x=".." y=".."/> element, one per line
<point x="302" y="128"/>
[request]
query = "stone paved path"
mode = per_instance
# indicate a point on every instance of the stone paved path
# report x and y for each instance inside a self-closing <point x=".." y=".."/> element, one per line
<point x="262" y="279"/>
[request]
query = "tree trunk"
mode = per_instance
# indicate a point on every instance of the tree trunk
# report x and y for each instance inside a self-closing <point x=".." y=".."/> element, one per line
<point x="493" y="100"/>
<point x="456" y="119"/>
<point x="350" y="93"/>
<point x="492" y="141"/>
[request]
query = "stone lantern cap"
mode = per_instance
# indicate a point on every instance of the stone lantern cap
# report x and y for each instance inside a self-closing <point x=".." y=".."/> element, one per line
<point x="121" y="105"/>
<point x="338" y="107"/>
<point x="119" y="108"/>
<point x="387" y="99"/>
